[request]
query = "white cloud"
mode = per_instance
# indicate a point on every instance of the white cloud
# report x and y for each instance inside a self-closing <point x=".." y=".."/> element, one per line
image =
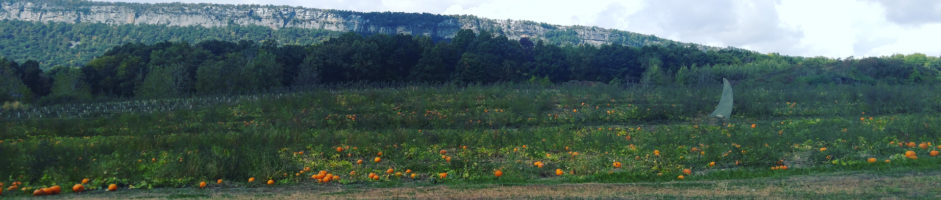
<point x="833" y="28"/>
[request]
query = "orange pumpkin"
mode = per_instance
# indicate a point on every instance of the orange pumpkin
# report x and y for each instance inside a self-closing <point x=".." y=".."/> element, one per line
<point x="447" y="158"/>
<point x="680" y="177"/>
<point x="442" y="152"/>
<point x="538" y="164"/>
<point x="617" y="164"/>
<point x="38" y="192"/>
<point x="398" y="174"/>
<point x="753" y="125"/>
<point x="656" y="152"/>
<point x="910" y="154"/>
<point x="408" y="171"/>
<point x="933" y="153"/>
<point x="498" y="173"/>
<point x="389" y="171"/>
<point x="78" y="188"/>
<point x="443" y="175"/>
<point x="219" y="181"/>
<point x="339" y="149"/>
<point x="353" y="173"/>
<point x="85" y="181"/>
<point x="202" y="185"/>
<point x="251" y="179"/>
<point x="56" y="189"/>
<point x="359" y="162"/>
<point x="413" y="176"/>
<point x="687" y="171"/>
<point x="270" y="182"/>
<point x="379" y="154"/>
<point x="910" y="144"/>
<point x="377" y="159"/>
<point x="559" y="172"/>
<point x="112" y="187"/>
<point x="712" y="164"/>
<point x="924" y="145"/>
<point x="871" y="160"/>
<point x="822" y="149"/>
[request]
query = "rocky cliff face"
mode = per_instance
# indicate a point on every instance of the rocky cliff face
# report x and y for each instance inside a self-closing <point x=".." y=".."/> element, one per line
<point x="275" y="17"/>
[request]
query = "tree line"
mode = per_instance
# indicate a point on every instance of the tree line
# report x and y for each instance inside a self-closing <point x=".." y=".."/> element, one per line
<point x="173" y="69"/>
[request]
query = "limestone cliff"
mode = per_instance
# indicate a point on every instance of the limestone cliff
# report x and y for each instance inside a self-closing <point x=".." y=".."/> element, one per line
<point x="275" y="17"/>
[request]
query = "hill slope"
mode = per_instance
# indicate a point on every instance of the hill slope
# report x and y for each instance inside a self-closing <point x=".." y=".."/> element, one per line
<point x="55" y="21"/>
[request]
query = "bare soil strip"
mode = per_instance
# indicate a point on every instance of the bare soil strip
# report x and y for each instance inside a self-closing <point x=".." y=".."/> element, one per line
<point x="909" y="185"/>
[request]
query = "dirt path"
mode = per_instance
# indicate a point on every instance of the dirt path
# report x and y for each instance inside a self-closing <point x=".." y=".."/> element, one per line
<point x="908" y="185"/>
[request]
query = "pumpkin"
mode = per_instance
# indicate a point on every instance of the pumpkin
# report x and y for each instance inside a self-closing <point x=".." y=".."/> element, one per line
<point x="219" y="181"/>
<point x="56" y="189"/>
<point x="389" y="171"/>
<point x="448" y="158"/>
<point x="359" y="162"/>
<point x="408" y="171"/>
<point x="85" y="181"/>
<point x="270" y="182"/>
<point x="753" y="125"/>
<point x="617" y="164"/>
<point x="78" y="188"/>
<point x="398" y="174"/>
<point x="656" y="152"/>
<point x="687" y="171"/>
<point x="353" y="173"/>
<point x="712" y="164"/>
<point x="910" y="144"/>
<point x="377" y="159"/>
<point x="822" y="149"/>
<point x="559" y="172"/>
<point x="923" y="145"/>
<point x="538" y="164"/>
<point x="251" y="179"/>
<point x="202" y="185"/>
<point x="442" y="152"/>
<point x="379" y="154"/>
<point x="910" y="153"/>
<point x="443" y="175"/>
<point x="933" y="153"/>
<point x="680" y="177"/>
<point x="339" y="149"/>
<point x="498" y="173"/>
<point x="112" y="187"/>
<point x="871" y="160"/>
<point x="46" y="191"/>
<point x="783" y="167"/>
<point x="413" y="176"/>
<point x="38" y="192"/>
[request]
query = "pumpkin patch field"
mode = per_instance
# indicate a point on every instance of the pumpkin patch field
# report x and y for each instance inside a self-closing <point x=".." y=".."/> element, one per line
<point x="512" y="135"/>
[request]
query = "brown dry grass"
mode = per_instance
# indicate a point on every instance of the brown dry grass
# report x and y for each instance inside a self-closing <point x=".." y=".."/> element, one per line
<point x="910" y="185"/>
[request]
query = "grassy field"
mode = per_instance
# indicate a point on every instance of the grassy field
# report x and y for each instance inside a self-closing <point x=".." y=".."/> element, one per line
<point x="569" y="136"/>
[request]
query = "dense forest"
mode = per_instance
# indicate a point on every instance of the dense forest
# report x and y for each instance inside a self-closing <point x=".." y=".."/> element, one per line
<point x="174" y="69"/>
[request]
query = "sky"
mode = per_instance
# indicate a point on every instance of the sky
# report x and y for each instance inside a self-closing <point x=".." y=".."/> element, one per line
<point x="830" y="28"/>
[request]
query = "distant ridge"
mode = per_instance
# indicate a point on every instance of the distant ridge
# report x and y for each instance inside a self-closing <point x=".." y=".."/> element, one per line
<point x="275" y="18"/>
